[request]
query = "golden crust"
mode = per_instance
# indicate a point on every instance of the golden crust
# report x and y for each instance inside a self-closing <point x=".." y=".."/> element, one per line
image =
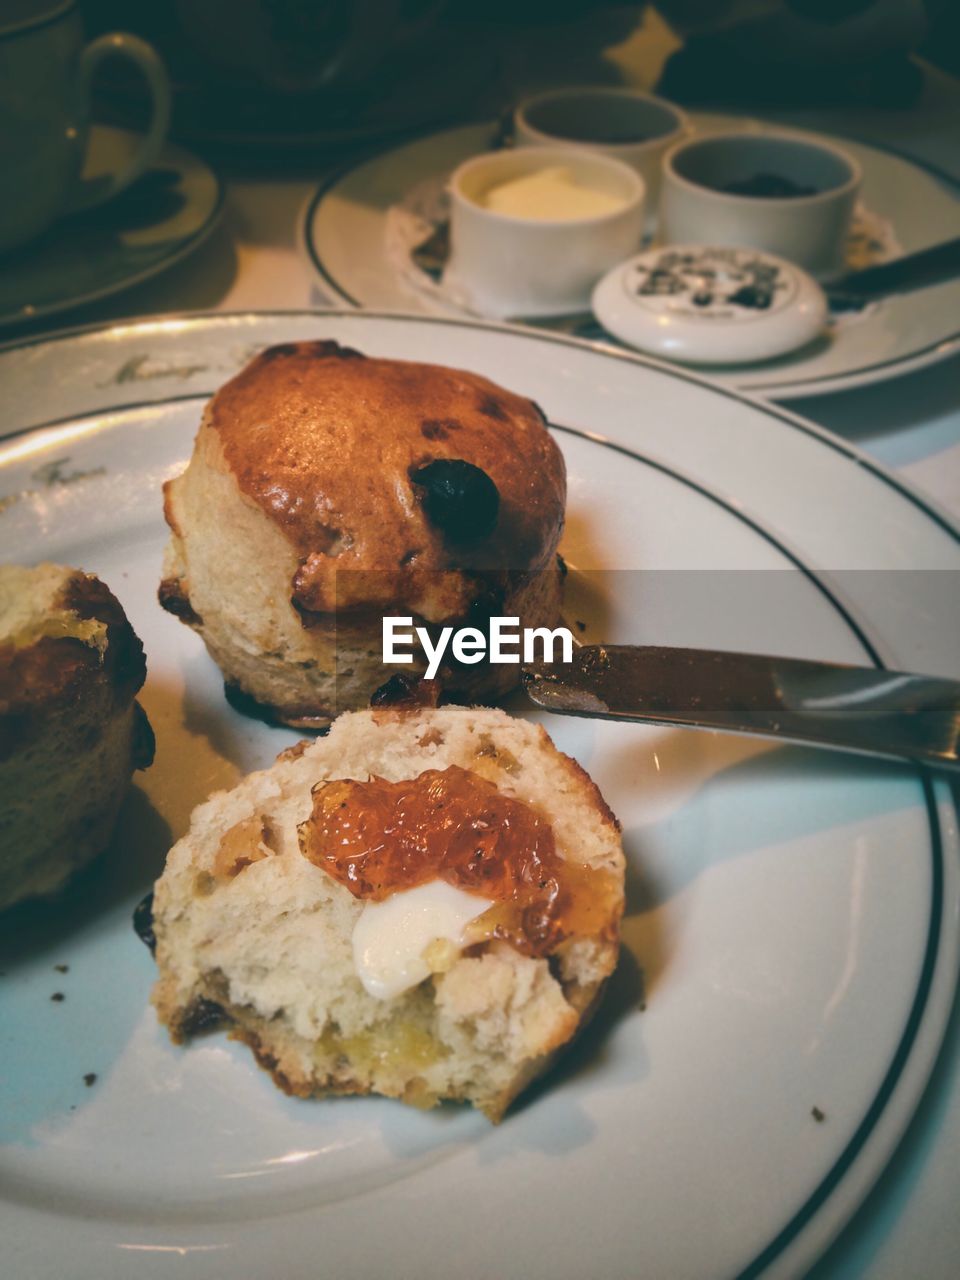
<point x="46" y="678"/>
<point x="582" y="779"/>
<point x="324" y="441"/>
<point x="71" y="731"/>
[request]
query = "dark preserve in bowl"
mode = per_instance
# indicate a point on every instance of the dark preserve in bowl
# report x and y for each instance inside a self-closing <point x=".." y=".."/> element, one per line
<point x="769" y="186"/>
<point x="766" y="167"/>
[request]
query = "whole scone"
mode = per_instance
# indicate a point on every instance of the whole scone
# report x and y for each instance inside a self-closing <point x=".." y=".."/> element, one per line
<point x="423" y="904"/>
<point x="71" y="732"/>
<point x="327" y="489"/>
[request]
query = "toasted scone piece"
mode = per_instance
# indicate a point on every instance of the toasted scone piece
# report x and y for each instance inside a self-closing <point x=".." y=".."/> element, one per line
<point x="297" y="912"/>
<point x="327" y="489"/>
<point x="71" y="732"/>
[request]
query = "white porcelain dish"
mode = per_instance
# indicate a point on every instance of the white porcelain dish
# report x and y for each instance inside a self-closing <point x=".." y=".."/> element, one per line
<point x="795" y="913"/>
<point x="358" y="229"/>
<point x="504" y="265"/>
<point x="709" y="304"/>
<point x="627" y="124"/>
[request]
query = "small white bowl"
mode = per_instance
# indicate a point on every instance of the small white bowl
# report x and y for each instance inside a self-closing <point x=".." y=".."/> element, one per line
<point x="502" y="265"/>
<point x="807" y="229"/>
<point x="626" y="124"/>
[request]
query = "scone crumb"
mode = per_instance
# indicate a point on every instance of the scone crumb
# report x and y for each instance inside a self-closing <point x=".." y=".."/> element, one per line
<point x="419" y="1094"/>
<point x="441" y="955"/>
<point x="245" y="843"/>
<point x="500" y="756"/>
<point x="174" y="597"/>
<point x="403" y="695"/>
<point x="204" y="884"/>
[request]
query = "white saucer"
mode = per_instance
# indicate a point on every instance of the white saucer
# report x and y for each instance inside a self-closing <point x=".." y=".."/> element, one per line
<point x="359" y="227"/>
<point x="157" y="221"/>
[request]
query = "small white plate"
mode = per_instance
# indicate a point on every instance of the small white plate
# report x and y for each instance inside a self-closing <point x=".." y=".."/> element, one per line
<point x="164" y="216"/>
<point x="794" y="912"/>
<point x="359" y="226"/>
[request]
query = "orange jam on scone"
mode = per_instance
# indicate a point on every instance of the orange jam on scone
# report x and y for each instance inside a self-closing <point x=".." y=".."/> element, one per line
<point x="379" y="838"/>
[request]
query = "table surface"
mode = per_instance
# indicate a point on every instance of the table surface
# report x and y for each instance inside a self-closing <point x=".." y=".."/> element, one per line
<point x="909" y="1225"/>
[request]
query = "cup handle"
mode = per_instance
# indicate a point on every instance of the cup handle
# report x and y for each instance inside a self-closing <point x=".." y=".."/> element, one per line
<point x="93" y="192"/>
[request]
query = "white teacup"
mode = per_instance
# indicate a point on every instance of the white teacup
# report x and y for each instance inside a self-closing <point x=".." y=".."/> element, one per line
<point x="504" y="265"/>
<point x="46" y="73"/>
<point x="635" y="127"/>
<point x="808" y="229"/>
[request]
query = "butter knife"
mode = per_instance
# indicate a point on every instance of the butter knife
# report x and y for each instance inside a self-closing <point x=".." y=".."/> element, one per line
<point x="883" y="713"/>
<point x="849" y="292"/>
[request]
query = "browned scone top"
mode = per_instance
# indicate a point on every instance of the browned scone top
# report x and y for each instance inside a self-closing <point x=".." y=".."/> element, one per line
<point x="326" y="441"/>
<point x="62" y="632"/>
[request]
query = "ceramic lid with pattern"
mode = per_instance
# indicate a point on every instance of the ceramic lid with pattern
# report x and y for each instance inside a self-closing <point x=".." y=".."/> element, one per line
<point x="710" y="304"/>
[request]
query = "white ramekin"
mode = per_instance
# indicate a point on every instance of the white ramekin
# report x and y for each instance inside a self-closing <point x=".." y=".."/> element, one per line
<point x="502" y="265"/>
<point x="595" y="117"/>
<point x="810" y="230"/>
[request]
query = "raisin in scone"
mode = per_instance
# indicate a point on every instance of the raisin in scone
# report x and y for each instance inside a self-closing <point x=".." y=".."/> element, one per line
<point x="71" y="731"/>
<point x="424" y="904"/>
<point x="327" y="489"/>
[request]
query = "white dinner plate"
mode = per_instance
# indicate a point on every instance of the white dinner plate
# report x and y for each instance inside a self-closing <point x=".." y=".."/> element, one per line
<point x="793" y="913"/>
<point x="359" y="226"/>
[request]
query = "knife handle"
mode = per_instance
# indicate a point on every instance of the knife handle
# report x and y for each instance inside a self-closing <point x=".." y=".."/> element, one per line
<point x="911" y="271"/>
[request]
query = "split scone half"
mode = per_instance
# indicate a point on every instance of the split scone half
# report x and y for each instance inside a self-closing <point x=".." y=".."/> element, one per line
<point x="71" y="730"/>
<point x="425" y="904"/>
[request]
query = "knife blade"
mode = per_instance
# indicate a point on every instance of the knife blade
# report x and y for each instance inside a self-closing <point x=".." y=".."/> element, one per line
<point x="884" y="713"/>
<point x="849" y="292"/>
